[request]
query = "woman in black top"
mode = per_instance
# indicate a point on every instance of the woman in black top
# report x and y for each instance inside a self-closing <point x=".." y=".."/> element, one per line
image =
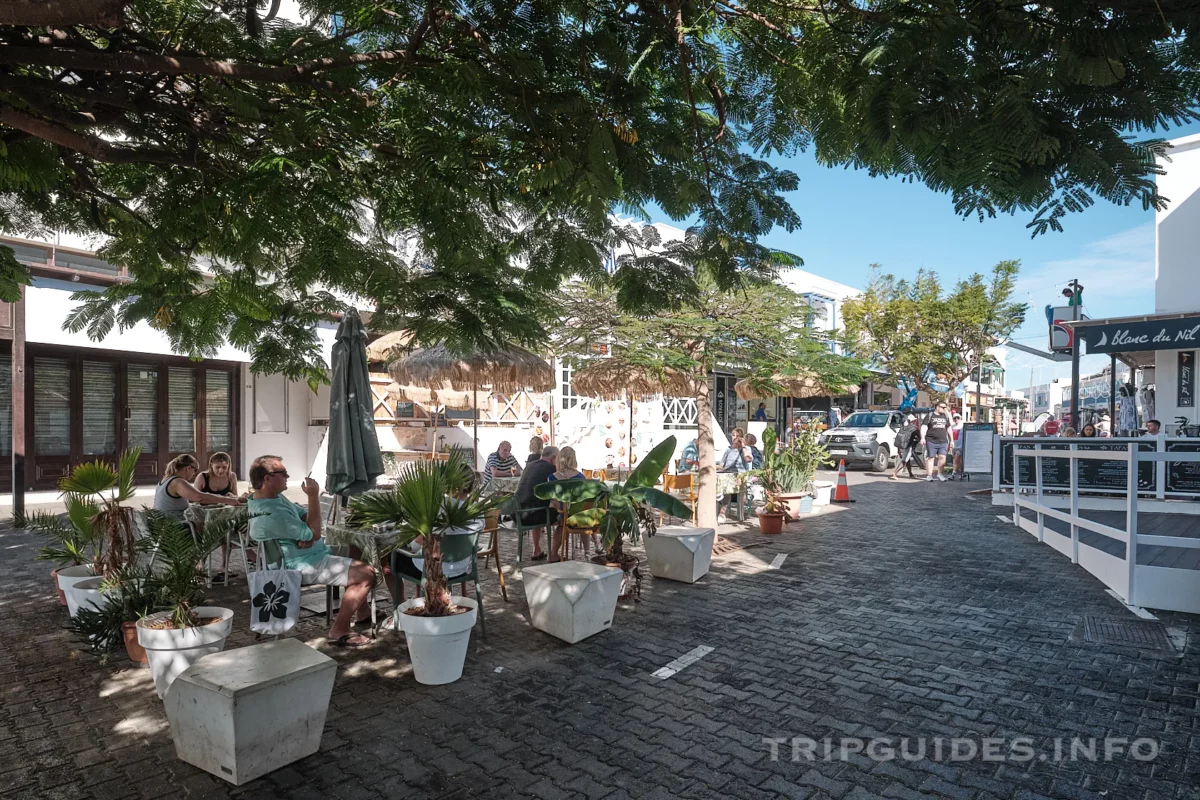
<point x="535" y="449"/>
<point x="218" y="479"/>
<point x="907" y="440"/>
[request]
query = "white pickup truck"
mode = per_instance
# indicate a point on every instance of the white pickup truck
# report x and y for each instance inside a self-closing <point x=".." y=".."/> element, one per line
<point x="865" y="437"/>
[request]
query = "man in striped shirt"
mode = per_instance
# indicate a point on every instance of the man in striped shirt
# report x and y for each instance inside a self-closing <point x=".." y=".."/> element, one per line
<point x="501" y="463"/>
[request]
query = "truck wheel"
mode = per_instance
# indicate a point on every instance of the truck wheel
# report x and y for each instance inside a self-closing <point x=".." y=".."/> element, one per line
<point x="883" y="459"/>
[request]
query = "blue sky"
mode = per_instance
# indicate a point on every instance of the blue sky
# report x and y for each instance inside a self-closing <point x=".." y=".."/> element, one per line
<point x="851" y="220"/>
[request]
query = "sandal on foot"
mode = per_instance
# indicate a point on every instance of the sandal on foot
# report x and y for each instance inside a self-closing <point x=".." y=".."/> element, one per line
<point x="540" y="557"/>
<point x="345" y="641"/>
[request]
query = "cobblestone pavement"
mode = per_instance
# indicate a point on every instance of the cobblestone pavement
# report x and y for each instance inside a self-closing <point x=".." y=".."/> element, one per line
<point x="913" y="613"/>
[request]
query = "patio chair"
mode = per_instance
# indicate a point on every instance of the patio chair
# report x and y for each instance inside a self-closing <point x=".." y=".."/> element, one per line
<point x="567" y="546"/>
<point x="456" y="547"/>
<point x="273" y="559"/>
<point x="235" y="541"/>
<point x="492" y="528"/>
<point x="682" y="488"/>
<point x="511" y="508"/>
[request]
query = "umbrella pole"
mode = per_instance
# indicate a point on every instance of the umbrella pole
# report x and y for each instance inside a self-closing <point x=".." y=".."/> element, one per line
<point x="475" y="427"/>
<point x="435" y="427"/>
<point x="631" y="401"/>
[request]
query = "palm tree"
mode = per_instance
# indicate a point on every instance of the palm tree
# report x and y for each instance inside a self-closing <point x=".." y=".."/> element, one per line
<point x="428" y="500"/>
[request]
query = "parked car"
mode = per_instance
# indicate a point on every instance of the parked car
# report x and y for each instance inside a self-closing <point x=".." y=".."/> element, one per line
<point x="865" y="437"/>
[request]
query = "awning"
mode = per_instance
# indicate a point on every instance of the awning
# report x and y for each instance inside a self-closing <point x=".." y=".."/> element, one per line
<point x="1138" y="338"/>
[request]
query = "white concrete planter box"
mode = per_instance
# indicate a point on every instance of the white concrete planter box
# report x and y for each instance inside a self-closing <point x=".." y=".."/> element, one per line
<point x="84" y="593"/>
<point x="572" y="600"/>
<point x="437" y="646"/>
<point x="679" y="553"/>
<point x="172" y="650"/>
<point x="243" y="713"/>
<point x="68" y="577"/>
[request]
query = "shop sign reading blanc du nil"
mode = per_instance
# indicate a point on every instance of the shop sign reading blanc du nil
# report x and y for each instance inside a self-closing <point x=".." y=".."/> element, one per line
<point x="1171" y="334"/>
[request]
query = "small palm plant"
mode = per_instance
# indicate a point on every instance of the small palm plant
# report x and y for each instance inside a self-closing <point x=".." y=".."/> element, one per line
<point x="131" y="594"/>
<point x="177" y="578"/>
<point x="428" y="499"/>
<point x="96" y="526"/>
<point x="620" y="510"/>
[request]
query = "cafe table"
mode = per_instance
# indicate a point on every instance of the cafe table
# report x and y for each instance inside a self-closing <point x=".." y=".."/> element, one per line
<point x="198" y="516"/>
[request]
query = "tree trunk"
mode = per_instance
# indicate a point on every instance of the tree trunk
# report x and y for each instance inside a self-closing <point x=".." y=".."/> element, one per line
<point x="437" y="596"/>
<point x="706" y="471"/>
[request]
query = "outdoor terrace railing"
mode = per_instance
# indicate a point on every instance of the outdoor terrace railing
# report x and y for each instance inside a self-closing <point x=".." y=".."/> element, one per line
<point x="1175" y="588"/>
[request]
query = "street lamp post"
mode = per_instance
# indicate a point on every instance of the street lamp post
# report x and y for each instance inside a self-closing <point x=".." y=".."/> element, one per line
<point x="1074" y="291"/>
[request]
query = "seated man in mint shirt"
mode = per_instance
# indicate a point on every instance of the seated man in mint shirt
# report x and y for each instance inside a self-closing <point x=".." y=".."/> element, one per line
<point x="299" y="535"/>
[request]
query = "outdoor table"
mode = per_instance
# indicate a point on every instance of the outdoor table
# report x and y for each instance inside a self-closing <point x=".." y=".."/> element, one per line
<point x="497" y="486"/>
<point x="733" y="483"/>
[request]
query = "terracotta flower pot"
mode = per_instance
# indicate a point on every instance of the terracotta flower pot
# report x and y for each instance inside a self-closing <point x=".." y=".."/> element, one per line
<point x="62" y="598"/>
<point x="133" y="648"/>
<point x="770" y="523"/>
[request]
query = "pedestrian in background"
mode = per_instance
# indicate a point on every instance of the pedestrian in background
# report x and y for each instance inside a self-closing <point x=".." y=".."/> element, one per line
<point x="908" y="438"/>
<point x="938" y="444"/>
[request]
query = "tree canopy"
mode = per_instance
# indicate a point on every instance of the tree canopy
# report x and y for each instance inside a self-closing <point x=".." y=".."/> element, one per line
<point x="922" y="335"/>
<point x="759" y="328"/>
<point x="450" y="163"/>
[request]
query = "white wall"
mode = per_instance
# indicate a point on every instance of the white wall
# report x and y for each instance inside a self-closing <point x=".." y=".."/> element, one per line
<point x="1177" y="231"/>
<point x="293" y="446"/>
<point x="48" y="302"/>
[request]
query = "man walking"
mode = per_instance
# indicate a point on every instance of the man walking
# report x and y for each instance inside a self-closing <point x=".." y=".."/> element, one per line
<point x="935" y="433"/>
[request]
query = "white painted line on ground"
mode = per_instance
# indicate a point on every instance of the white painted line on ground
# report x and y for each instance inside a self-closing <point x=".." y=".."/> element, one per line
<point x="498" y="669"/>
<point x="692" y="656"/>
<point x="1138" y="610"/>
<point x="778" y="562"/>
<point x="1007" y="520"/>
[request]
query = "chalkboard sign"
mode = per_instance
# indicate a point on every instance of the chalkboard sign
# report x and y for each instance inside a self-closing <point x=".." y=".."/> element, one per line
<point x="1098" y="476"/>
<point x="976" y="447"/>
<point x="1183" y="477"/>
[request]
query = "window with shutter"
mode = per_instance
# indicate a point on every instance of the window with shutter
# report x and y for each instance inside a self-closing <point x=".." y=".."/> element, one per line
<point x="218" y="410"/>
<point x="51" y="406"/>
<point x="99" y="399"/>
<point x="181" y="409"/>
<point x="142" y="387"/>
<point x="5" y="404"/>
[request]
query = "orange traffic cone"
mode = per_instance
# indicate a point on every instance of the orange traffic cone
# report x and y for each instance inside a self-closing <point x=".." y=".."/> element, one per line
<point x="842" y="493"/>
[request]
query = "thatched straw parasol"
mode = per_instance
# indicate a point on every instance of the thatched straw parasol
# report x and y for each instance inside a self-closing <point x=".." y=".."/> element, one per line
<point x="799" y="385"/>
<point x="615" y="379"/>
<point x="506" y="370"/>
<point x="384" y="348"/>
<point x="446" y="396"/>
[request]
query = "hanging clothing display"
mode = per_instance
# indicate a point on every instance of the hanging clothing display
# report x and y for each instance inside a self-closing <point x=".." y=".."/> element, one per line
<point x="1126" y="415"/>
<point x="1146" y="401"/>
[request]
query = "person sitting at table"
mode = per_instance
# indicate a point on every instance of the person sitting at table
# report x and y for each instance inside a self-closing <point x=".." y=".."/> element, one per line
<point x="690" y="460"/>
<point x="298" y="531"/>
<point x="219" y="479"/>
<point x="538" y="511"/>
<point x="760" y="414"/>
<point x="501" y="463"/>
<point x="756" y="456"/>
<point x="535" y="449"/>
<point x="175" y="490"/>
<point x="733" y="460"/>
<point x="568" y="470"/>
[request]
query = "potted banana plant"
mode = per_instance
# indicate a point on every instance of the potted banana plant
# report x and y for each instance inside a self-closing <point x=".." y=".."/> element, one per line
<point x="428" y="501"/>
<point x="619" y="512"/>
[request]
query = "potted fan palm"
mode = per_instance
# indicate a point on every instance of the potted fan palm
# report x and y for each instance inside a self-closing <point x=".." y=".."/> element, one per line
<point x="96" y="534"/>
<point x="130" y="594"/>
<point x="184" y="630"/>
<point x="621" y="511"/>
<point x="428" y="501"/>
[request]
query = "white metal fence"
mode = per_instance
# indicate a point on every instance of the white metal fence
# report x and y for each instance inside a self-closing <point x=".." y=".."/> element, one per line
<point x="1168" y="588"/>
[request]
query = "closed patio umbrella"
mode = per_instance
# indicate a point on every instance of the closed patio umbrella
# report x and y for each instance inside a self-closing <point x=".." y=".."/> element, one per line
<point x="353" y="460"/>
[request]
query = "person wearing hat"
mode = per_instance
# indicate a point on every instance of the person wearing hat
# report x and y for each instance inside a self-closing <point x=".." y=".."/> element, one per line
<point x="956" y="437"/>
<point x="1104" y="427"/>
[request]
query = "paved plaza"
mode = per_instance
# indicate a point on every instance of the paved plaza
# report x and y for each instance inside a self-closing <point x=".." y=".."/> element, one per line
<point x="914" y="613"/>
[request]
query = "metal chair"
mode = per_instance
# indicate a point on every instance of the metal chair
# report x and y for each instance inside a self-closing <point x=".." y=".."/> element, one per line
<point x="272" y="558"/>
<point x="511" y="508"/>
<point x="455" y="547"/>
